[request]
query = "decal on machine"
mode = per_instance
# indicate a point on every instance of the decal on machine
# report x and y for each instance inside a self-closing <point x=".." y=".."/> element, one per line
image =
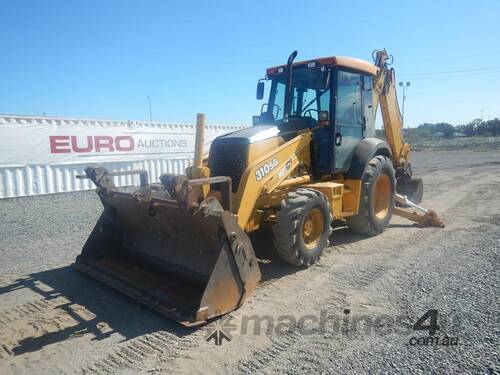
<point x="285" y="169"/>
<point x="265" y="169"/>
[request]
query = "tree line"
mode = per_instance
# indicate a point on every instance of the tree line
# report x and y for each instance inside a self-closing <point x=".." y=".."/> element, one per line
<point x="476" y="127"/>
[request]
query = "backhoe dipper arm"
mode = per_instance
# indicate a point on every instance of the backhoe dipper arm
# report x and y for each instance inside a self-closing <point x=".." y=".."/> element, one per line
<point x="384" y="91"/>
<point x="410" y="190"/>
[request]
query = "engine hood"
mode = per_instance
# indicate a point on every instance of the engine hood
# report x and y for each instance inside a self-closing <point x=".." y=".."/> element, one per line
<point x="250" y="135"/>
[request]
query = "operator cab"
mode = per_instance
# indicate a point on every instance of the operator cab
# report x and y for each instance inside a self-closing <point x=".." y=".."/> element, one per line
<point x="332" y="96"/>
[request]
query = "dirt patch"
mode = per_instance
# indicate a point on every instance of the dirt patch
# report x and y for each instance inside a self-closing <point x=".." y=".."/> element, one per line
<point x="54" y="319"/>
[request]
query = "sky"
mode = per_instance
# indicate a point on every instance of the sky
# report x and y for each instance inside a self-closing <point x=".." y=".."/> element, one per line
<point x="102" y="59"/>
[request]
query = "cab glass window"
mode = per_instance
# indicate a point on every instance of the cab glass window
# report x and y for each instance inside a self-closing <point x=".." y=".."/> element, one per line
<point x="348" y="104"/>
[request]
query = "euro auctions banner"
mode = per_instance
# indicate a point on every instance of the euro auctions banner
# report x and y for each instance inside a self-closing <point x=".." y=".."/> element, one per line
<point x="77" y="141"/>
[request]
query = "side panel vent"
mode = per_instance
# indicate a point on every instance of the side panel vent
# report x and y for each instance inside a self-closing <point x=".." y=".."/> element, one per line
<point x="228" y="160"/>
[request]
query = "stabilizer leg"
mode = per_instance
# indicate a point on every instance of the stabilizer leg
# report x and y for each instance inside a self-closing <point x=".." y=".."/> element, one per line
<point x="426" y="217"/>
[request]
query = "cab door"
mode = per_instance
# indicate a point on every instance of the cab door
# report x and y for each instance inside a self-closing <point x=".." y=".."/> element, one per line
<point x="349" y="120"/>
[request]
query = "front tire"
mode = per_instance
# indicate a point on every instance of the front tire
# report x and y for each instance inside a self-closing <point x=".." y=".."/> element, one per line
<point x="378" y="187"/>
<point x="303" y="227"/>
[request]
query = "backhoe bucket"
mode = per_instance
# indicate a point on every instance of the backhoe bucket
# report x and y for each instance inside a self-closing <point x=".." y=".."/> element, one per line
<point x="189" y="265"/>
<point x="412" y="188"/>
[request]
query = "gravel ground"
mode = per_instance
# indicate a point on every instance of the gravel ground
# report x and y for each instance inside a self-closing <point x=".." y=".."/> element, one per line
<point x="368" y="292"/>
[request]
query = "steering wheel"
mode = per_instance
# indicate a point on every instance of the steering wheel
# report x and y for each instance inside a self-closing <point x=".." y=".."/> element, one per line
<point x="308" y="113"/>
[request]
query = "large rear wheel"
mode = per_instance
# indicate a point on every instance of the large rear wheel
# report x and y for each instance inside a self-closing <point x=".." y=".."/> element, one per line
<point x="376" y="204"/>
<point x="303" y="227"/>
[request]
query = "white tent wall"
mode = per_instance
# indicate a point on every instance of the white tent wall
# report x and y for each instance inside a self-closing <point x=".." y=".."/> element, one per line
<point x="31" y="169"/>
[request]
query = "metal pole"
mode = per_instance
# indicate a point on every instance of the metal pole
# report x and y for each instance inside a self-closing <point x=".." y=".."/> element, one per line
<point x="404" y="86"/>
<point x="150" y="111"/>
<point x="404" y="97"/>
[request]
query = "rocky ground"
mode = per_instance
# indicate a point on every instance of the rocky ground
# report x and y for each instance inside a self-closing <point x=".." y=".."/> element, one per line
<point x="352" y="313"/>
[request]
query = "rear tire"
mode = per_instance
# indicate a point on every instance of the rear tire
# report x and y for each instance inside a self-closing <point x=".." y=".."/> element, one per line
<point x="378" y="187"/>
<point x="303" y="227"/>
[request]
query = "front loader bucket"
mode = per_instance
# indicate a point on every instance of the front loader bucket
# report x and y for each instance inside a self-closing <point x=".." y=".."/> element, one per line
<point x="189" y="266"/>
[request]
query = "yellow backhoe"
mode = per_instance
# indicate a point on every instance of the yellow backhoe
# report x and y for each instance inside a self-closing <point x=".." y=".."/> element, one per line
<point x="181" y="245"/>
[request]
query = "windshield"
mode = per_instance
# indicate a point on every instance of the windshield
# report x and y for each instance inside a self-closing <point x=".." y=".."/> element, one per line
<point x="310" y="94"/>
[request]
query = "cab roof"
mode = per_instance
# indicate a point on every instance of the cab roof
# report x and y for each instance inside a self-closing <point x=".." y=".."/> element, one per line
<point x="341" y="61"/>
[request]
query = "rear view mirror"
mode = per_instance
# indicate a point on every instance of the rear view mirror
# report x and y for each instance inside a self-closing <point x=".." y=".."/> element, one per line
<point x="260" y="90"/>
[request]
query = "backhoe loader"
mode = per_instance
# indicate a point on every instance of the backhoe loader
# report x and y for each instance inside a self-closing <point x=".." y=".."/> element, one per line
<point x="181" y="245"/>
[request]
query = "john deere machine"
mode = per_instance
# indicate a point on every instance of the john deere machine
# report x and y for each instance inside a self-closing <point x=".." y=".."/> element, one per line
<point x="311" y="158"/>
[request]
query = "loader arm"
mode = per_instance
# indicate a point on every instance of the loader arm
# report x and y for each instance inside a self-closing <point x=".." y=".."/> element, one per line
<point x="267" y="173"/>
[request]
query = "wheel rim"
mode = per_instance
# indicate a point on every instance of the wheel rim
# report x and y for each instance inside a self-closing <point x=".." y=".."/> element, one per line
<point x="382" y="196"/>
<point x="313" y="228"/>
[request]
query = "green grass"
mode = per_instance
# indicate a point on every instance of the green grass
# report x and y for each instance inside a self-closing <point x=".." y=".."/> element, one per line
<point x="477" y="143"/>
